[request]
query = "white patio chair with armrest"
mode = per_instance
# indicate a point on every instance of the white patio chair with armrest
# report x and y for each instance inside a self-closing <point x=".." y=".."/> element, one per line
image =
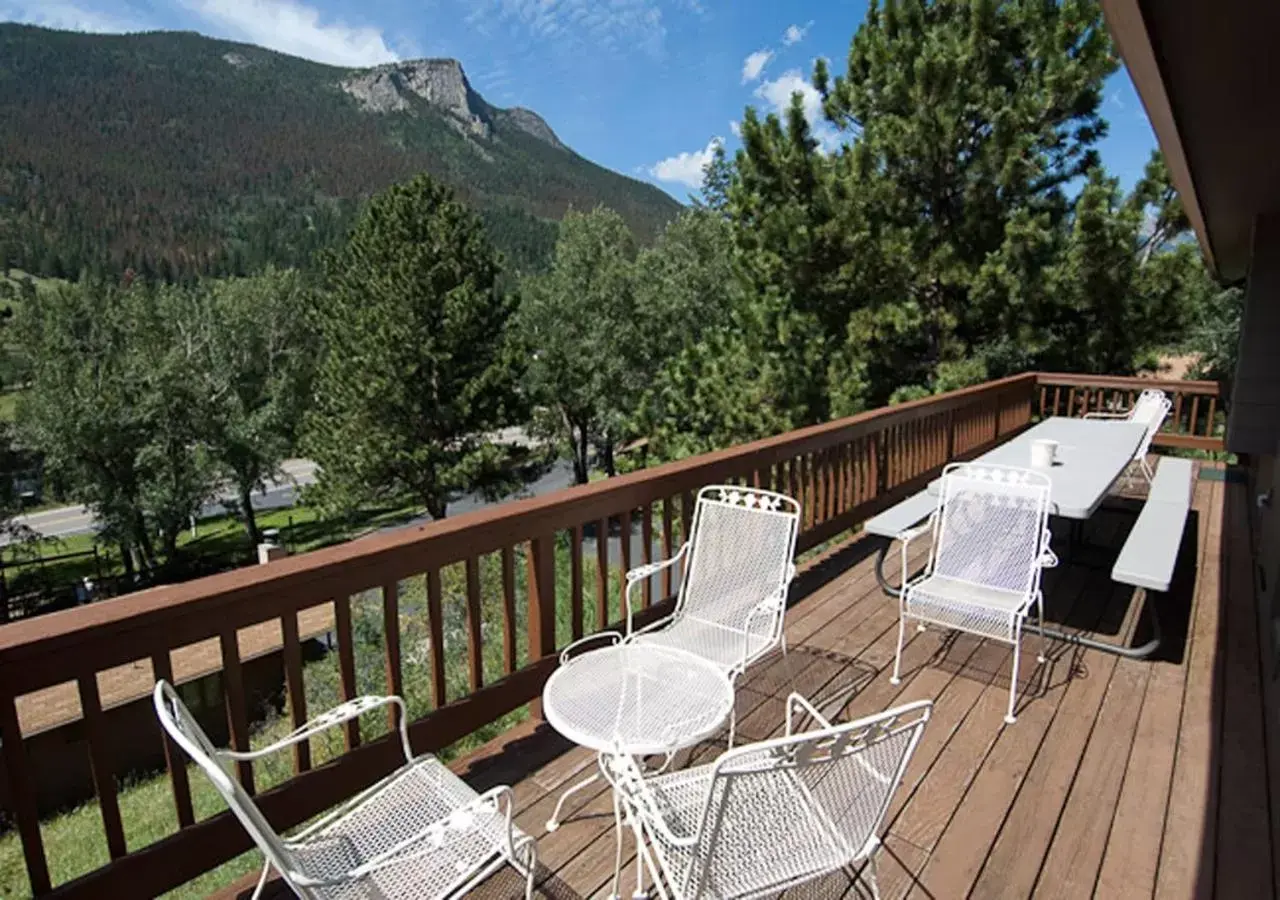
<point x="421" y="832"/>
<point x="770" y="815"/>
<point x="733" y="586"/>
<point x="990" y="543"/>
<point x="1151" y="409"/>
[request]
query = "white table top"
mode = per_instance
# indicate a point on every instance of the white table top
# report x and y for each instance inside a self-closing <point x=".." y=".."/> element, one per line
<point x="637" y="699"/>
<point x="1092" y="454"/>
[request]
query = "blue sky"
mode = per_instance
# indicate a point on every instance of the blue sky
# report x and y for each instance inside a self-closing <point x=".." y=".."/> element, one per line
<point x="641" y="86"/>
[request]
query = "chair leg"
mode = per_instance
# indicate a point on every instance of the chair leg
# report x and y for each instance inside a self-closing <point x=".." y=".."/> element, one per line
<point x="262" y="880"/>
<point x="733" y="723"/>
<point x="617" y="837"/>
<point x="1013" y="682"/>
<point x="640" y="892"/>
<point x="870" y="874"/>
<point x="1044" y="642"/>
<point x="1147" y="471"/>
<point x="528" y="867"/>
<point x="896" y="677"/>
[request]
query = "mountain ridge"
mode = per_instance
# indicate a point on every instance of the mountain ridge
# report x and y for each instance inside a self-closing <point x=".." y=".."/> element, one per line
<point x="188" y="154"/>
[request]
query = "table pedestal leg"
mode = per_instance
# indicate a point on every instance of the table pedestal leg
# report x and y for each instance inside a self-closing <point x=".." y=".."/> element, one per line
<point x="617" y="839"/>
<point x="554" y="822"/>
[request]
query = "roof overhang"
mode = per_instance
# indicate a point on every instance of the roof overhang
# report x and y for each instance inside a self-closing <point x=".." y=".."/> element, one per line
<point x="1209" y="77"/>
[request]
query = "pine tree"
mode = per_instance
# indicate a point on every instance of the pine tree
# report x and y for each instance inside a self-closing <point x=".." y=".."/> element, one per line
<point x="418" y="368"/>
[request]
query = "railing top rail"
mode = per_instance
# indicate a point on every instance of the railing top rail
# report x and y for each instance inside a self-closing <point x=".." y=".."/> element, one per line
<point x="130" y="627"/>
<point x="1072" y="379"/>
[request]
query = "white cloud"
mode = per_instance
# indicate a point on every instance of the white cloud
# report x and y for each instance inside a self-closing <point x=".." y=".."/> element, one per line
<point x="778" y="92"/>
<point x="296" y="29"/>
<point x="686" y="168"/>
<point x="69" y="17"/>
<point x="795" y="33"/>
<point x="735" y="127"/>
<point x="754" y="64"/>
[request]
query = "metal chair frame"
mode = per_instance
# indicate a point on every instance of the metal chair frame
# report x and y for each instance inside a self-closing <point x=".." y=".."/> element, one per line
<point x="823" y="792"/>
<point x="973" y="603"/>
<point x="492" y="809"/>
<point x="762" y="629"/>
<point x="1151" y="409"/>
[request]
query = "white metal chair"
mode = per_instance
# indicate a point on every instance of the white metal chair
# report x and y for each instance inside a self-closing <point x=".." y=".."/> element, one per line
<point x="766" y="816"/>
<point x="990" y="543"/>
<point x="1151" y="409"/>
<point x="733" y="584"/>
<point x="421" y="832"/>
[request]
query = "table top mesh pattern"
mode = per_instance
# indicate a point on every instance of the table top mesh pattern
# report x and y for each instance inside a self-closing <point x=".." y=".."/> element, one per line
<point x="637" y="699"/>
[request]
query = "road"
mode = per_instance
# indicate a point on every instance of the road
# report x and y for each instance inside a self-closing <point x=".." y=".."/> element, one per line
<point x="280" y="493"/>
<point x="68" y="520"/>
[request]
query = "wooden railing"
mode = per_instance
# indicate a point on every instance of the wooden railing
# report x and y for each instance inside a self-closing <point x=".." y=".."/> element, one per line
<point x="842" y="472"/>
<point x="1197" y="420"/>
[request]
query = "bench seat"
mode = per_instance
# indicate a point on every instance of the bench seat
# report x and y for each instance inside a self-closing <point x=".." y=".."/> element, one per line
<point x="897" y="519"/>
<point x="1150" y="553"/>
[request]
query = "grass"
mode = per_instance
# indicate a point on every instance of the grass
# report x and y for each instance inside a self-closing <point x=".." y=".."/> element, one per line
<point x="74" y="840"/>
<point x="219" y="542"/>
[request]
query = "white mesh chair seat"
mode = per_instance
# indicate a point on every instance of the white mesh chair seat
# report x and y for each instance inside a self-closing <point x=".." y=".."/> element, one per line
<point x="424" y="816"/>
<point x="421" y="833"/>
<point x="774" y="814"/>
<point x="726" y="647"/>
<point x="990" y="534"/>
<point x="965" y="606"/>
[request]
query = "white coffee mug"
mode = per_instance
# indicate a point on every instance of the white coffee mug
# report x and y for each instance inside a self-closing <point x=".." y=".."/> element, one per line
<point x="1043" y="453"/>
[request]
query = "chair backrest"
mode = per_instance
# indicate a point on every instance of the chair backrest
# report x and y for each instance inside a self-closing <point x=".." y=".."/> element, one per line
<point x="808" y="803"/>
<point x="741" y="545"/>
<point x="992" y="526"/>
<point x="186" y="732"/>
<point x="1150" y="411"/>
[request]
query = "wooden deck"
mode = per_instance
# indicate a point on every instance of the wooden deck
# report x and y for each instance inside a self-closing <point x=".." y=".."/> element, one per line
<point x="1121" y="778"/>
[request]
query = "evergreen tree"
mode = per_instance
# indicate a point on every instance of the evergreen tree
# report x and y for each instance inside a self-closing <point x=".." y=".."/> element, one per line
<point x="924" y="235"/>
<point x="418" y="367"/>
<point x="705" y="385"/>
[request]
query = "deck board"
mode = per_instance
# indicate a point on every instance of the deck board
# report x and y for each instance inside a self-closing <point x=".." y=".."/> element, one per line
<point x="1121" y="778"/>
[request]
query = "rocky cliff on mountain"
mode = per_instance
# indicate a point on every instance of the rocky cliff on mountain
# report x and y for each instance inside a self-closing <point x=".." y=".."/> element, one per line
<point x="442" y="84"/>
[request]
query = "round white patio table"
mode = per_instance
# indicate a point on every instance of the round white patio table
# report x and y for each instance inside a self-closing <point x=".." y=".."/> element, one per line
<point x="635" y="700"/>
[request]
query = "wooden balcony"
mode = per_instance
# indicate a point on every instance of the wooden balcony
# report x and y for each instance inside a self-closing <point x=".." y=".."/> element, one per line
<point x="1120" y="777"/>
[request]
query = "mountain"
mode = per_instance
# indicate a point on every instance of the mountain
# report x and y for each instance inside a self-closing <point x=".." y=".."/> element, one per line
<point x="174" y="153"/>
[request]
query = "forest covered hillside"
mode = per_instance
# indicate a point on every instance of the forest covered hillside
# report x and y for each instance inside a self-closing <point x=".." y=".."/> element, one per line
<point x="176" y="154"/>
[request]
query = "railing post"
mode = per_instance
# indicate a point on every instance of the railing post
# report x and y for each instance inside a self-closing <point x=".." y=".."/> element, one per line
<point x="879" y="463"/>
<point x="951" y="436"/>
<point x="22" y="796"/>
<point x="542" y="602"/>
